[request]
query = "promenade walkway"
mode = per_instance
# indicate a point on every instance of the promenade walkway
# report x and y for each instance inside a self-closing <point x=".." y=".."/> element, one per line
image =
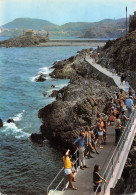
<point x="105" y="71"/>
<point x="84" y="178"/>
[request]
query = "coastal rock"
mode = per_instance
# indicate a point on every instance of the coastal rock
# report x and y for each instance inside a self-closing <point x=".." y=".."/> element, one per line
<point x="1" y="123"/>
<point x="44" y="94"/>
<point x="53" y="86"/>
<point x="37" y="138"/>
<point x="121" y="55"/>
<point x="79" y="68"/>
<point x="76" y="105"/>
<point x="63" y="119"/>
<point x="40" y="78"/>
<point x="24" y="41"/>
<point x="10" y="120"/>
<point x="54" y="93"/>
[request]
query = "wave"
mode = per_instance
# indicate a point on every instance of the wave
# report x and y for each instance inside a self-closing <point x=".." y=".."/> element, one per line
<point x="44" y="70"/>
<point x="19" y="116"/>
<point x="12" y="129"/>
<point x="61" y="85"/>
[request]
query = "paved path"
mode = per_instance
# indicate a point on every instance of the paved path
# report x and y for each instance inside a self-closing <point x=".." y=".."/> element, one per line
<point x="105" y="71"/>
<point x="84" y="178"/>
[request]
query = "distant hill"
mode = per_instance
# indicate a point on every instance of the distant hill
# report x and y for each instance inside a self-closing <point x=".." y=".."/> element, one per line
<point x="107" y="28"/>
<point x="30" y="23"/>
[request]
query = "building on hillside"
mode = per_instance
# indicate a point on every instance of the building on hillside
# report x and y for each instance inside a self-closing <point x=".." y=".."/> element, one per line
<point x="29" y="33"/>
<point x="132" y="22"/>
<point x="41" y="33"/>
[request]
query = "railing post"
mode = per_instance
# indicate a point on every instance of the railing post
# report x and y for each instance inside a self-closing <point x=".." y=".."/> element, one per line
<point x="118" y="153"/>
<point x="112" y="167"/>
<point x="64" y="180"/>
<point x="104" y="188"/>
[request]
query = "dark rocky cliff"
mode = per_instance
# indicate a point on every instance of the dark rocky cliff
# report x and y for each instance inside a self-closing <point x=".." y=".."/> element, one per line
<point x="82" y="99"/>
<point x="121" y="55"/>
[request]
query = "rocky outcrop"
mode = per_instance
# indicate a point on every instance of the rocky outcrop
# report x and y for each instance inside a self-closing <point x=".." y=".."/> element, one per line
<point x="76" y="105"/>
<point x="10" y="120"/>
<point x="40" y="78"/>
<point x="121" y="55"/>
<point x="127" y="183"/>
<point x="24" y="41"/>
<point x="37" y="138"/>
<point x="54" y="94"/>
<point x="1" y="123"/>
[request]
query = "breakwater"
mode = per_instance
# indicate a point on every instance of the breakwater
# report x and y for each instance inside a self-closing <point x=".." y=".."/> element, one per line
<point x="91" y="43"/>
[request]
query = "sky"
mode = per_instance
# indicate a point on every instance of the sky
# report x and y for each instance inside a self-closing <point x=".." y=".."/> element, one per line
<point x="64" y="11"/>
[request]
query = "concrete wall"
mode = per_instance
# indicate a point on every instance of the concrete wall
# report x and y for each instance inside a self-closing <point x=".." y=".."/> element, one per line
<point x="101" y="76"/>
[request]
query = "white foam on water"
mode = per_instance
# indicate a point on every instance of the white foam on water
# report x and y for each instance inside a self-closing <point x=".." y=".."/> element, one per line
<point x="12" y="129"/>
<point x="32" y="79"/>
<point x="61" y="85"/>
<point x="49" y="92"/>
<point x="19" y="116"/>
<point x="44" y="70"/>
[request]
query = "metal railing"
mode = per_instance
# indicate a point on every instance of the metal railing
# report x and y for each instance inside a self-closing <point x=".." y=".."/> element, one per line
<point x="108" y="173"/>
<point x="62" y="184"/>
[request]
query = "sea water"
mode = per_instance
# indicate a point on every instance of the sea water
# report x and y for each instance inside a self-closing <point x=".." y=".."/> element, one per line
<point x="26" y="167"/>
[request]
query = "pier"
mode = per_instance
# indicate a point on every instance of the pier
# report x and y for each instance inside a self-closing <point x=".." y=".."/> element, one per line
<point x="90" y="43"/>
<point x="111" y="158"/>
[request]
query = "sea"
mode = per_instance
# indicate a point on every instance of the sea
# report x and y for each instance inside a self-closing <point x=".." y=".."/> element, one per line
<point x="26" y="167"/>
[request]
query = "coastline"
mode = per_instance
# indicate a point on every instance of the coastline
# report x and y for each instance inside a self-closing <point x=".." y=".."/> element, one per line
<point x="36" y="41"/>
<point x="62" y="119"/>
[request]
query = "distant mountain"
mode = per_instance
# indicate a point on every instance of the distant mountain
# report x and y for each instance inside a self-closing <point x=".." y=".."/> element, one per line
<point x="30" y="23"/>
<point x="107" y="28"/>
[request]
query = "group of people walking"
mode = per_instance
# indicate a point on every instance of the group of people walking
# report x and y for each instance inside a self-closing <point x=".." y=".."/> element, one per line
<point x="92" y="138"/>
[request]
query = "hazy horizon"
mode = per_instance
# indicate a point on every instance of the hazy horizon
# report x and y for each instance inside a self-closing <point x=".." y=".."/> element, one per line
<point x="61" y="11"/>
